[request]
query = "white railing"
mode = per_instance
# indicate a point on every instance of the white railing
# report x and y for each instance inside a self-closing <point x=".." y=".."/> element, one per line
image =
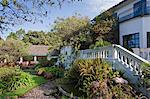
<point x="142" y="52"/>
<point x="117" y="53"/>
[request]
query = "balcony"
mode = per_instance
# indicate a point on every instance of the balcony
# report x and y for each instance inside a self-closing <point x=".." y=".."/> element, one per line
<point x="134" y="14"/>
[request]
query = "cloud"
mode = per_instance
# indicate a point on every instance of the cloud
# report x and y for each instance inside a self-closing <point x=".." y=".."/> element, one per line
<point x="97" y="6"/>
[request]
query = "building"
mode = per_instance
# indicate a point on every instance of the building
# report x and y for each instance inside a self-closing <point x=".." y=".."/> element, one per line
<point x="134" y="21"/>
<point x="134" y="25"/>
<point x="36" y="52"/>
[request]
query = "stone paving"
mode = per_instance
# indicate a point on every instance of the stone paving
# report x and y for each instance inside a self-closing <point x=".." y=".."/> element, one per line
<point x="38" y="92"/>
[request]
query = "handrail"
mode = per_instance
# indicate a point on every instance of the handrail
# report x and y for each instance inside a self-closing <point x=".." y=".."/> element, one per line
<point x="131" y="53"/>
<point x="116" y="52"/>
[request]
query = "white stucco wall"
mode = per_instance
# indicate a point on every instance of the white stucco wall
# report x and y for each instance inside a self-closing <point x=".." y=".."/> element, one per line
<point x="146" y="28"/>
<point x="128" y="9"/>
<point x="139" y="24"/>
<point x="130" y="27"/>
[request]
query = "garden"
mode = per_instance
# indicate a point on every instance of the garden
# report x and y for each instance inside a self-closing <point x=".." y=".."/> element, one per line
<point x="84" y="79"/>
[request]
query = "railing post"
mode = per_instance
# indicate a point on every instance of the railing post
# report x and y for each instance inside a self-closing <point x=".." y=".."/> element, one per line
<point x="114" y="52"/>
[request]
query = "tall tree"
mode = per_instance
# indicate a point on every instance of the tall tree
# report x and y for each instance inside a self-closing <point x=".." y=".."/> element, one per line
<point x="35" y="38"/>
<point x="12" y="49"/>
<point x="105" y="26"/>
<point x="17" y="35"/>
<point x="73" y="30"/>
<point x="16" y="11"/>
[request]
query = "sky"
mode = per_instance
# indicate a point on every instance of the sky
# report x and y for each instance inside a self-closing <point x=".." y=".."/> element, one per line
<point x="90" y="8"/>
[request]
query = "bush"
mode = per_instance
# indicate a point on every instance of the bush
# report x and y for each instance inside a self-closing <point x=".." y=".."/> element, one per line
<point x="94" y="77"/>
<point x="43" y="62"/>
<point x="146" y="74"/>
<point x="99" y="43"/>
<point x="12" y="78"/>
<point x="58" y="72"/>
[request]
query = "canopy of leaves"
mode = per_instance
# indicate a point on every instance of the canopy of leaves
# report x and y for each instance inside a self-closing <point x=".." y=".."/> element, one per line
<point x="12" y="49"/>
<point x="105" y="26"/>
<point x="13" y="12"/>
<point x="74" y="30"/>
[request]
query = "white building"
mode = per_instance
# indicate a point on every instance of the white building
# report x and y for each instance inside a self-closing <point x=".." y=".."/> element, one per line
<point x="134" y="23"/>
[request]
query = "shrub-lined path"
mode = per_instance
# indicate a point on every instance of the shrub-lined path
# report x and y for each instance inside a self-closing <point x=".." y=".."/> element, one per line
<point x="38" y="92"/>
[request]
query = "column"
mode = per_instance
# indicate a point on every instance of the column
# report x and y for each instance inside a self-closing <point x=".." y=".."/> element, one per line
<point x="35" y="58"/>
<point x="21" y="60"/>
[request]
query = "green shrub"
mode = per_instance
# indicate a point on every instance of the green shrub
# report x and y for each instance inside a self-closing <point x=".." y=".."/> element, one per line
<point x="54" y="70"/>
<point x="146" y="74"/>
<point x="94" y="77"/>
<point x="99" y="43"/>
<point x="43" y="62"/>
<point x="12" y="78"/>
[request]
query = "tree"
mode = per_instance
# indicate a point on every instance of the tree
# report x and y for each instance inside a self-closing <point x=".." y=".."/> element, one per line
<point x="12" y="49"/>
<point x="74" y="30"/>
<point x="54" y="40"/>
<point x="105" y="26"/>
<point x="17" y="35"/>
<point x="35" y="38"/>
<point x="16" y="11"/>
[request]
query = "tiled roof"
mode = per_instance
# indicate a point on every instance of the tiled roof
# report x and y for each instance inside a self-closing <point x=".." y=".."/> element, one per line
<point x="38" y="50"/>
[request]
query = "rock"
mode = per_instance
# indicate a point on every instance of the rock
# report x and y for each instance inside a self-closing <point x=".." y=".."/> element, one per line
<point x="40" y="73"/>
<point x="120" y="80"/>
<point x="48" y="75"/>
<point x="50" y="92"/>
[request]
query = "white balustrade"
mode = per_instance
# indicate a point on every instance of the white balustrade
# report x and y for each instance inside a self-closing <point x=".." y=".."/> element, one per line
<point x="143" y="52"/>
<point x="115" y="52"/>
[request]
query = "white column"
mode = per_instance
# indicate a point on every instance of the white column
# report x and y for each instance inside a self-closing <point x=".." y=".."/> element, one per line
<point x="35" y="59"/>
<point x="21" y="60"/>
<point x="114" y="53"/>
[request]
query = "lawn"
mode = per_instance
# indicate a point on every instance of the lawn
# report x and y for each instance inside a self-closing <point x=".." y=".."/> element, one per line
<point x="21" y="91"/>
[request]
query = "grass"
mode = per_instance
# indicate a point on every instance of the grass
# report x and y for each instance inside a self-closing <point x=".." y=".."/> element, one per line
<point x="21" y="91"/>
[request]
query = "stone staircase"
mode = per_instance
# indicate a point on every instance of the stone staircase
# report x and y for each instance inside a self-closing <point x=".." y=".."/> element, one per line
<point x="121" y="60"/>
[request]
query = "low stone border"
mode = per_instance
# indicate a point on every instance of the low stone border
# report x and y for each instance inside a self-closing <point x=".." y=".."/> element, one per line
<point x="66" y="93"/>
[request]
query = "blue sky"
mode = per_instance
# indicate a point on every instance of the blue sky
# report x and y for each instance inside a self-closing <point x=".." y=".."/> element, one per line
<point x="90" y="8"/>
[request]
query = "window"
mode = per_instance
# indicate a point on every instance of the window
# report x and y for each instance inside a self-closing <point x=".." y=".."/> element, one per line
<point x="131" y="41"/>
<point x="140" y="8"/>
<point x="148" y="39"/>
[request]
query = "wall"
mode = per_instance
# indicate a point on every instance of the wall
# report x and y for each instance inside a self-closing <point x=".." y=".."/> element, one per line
<point x="130" y="27"/>
<point x="146" y="28"/>
<point x="126" y="9"/>
<point x="136" y="25"/>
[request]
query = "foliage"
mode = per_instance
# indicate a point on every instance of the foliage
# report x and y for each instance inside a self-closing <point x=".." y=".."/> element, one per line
<point x="94" y="77"/>
<point x="37" y="80"/>
<point x="14" y="12"/>
<point x="12" y="49"/>
<point x="35" y="38"/>
<point x="74" y="30"/>
<point x="99" y="43"/>
<point x="146" y="74"/>
<point x="13" y="78"/>
<point x="43" y="62"/>
<point x="105" y="26"/>
<point x="54" y="70"/>
<point x="28" y="57"/>
<point x="17" y="35"/>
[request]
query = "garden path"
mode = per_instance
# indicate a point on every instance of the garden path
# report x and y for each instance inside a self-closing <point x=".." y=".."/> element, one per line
<point x="38" y="92"/>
